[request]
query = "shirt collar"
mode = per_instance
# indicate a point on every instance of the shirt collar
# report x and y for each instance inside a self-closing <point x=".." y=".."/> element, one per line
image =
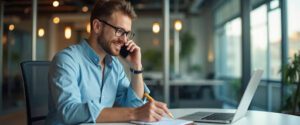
<point x="93" y="55"/>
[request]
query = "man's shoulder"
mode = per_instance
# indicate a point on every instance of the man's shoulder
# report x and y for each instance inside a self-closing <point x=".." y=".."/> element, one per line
<point x="71" y="52"/>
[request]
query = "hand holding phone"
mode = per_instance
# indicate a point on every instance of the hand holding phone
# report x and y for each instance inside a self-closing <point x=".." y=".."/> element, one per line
<point x="124" y="52"/>
<point x="134" y="52"/>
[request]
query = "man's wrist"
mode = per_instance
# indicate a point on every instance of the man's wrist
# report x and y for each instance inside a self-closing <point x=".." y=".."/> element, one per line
<point x="132" y="114"/>
<point x="136" y="71"/>
<point x="137" y="67"/>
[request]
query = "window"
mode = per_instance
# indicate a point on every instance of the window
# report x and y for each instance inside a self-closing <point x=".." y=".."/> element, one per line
<point x="229" y="49"/>
<point x="274" y="55"/>
<point x="266" y="53"/>
<point x="266" y="41"/>
<point x="293" y="26"/>
<point x="228" y="59"/>
<point x="259" y="40"/>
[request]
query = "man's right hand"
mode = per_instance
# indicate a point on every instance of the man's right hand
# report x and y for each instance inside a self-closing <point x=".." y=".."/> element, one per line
<point x="151" y="111"/>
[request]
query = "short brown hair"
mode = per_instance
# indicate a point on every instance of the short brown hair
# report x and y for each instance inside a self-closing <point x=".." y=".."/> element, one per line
<point x="103" y="9"/>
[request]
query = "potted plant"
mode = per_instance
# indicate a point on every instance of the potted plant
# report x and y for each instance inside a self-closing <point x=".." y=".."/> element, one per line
<point x="291" y="72"/>
<point x="187" y="47"/>
<point x="188" y="41"/>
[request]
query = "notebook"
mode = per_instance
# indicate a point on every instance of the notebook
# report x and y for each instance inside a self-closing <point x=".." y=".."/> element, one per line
<point x="165" y="121"/>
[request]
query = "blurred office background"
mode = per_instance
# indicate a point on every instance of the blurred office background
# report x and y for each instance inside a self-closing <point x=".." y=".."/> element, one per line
<point x="214" y="46"/>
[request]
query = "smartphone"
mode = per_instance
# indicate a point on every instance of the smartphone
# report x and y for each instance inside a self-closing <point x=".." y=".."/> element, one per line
<point x="124" y="52"/>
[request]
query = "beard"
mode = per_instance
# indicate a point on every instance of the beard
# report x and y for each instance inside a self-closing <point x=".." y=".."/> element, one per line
<point x="106" y="45"/>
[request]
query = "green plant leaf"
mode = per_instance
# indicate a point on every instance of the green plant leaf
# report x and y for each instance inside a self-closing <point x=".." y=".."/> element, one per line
<point x="187" y="44"/>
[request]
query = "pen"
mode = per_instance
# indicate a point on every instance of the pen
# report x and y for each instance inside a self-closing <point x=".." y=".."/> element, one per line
<point x="151" y="100"/>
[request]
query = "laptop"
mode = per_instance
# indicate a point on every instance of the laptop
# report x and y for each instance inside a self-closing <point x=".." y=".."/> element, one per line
<point x="226" y="118"/>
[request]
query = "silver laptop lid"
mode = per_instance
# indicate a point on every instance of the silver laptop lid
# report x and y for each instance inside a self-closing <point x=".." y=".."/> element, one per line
<point x="248" y="95"/>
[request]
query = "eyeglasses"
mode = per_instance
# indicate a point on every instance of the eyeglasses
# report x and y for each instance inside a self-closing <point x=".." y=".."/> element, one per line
<point x="119" y="31"/>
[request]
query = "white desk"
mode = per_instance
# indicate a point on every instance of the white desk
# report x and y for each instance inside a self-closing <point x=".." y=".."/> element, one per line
<point x="252" y="117"/>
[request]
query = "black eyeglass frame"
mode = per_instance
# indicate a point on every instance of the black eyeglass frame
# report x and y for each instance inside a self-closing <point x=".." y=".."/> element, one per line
<point x="119" y="31"/>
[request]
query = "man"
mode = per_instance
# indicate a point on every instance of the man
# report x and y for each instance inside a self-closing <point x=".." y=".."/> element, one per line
<point x="87" y="82"/>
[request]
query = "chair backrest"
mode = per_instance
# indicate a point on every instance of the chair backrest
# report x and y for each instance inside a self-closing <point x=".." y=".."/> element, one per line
<point x="35" y="76"/>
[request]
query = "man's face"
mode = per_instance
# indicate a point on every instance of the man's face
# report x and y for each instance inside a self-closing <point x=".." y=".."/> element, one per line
<point x="108" y="40"/>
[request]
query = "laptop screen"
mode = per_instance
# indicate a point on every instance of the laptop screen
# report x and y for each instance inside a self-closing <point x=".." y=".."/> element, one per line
<point x="248" y="95"/>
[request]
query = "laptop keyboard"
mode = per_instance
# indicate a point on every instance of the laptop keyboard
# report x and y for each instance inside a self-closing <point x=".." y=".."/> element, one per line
<point x="219" y="116"/>
<point x="196" y="115"/>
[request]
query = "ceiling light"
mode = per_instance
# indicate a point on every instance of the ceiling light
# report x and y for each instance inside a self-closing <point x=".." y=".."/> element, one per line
<point x="55" y="3"/>
<point x="84" y="9"/>
<point x="178" y="25"/>
<point x="68" y="32"/>
<point x="41" y="32"/>
<point x="155" y="27"/>
<point x="56" y="20"/>
<point x="11" y="27"/>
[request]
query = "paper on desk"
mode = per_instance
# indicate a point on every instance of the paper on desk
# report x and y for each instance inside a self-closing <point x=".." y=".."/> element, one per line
<point x="164" y="121"/>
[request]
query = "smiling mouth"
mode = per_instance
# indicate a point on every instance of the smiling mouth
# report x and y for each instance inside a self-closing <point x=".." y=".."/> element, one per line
<point x="118" y="45"/>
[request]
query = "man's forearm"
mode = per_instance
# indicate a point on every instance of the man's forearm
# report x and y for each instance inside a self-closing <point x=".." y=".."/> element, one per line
<point x="138" y="82"/>
<point x="116" y="115"/>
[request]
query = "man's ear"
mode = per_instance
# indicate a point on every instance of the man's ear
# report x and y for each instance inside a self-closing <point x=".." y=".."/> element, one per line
<point x="97" y="26"/>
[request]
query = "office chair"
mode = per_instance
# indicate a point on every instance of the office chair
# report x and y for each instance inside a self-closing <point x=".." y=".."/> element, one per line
<point x="35" y="77"/>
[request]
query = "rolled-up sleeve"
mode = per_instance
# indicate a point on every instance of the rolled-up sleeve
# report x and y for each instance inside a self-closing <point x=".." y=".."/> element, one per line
<point x="66" y="95"/>
<point x="126" y="96"/>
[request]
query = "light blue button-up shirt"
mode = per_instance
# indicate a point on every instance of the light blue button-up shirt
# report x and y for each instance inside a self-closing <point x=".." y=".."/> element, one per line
<point x="77" y="90"/>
